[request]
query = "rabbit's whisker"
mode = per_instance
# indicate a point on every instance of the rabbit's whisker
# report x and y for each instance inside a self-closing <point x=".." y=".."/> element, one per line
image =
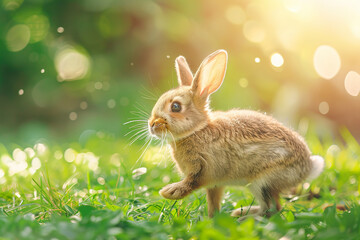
<point x="172" y="136"/>
<point x="142" y="125"/>
<point x="148" y="93"/>
<point x="147" y="139"/>
<point x="142" y="111"/>
<point x="138" y="131"/>
<point x="146" y="148"/>
<point x="162" y="141"/>
<point x="141" y="136"/>
<point x="132" y="121"/>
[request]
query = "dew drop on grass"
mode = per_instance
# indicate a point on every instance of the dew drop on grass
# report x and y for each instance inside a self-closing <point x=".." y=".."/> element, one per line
<point x="306" y="185"/>
<point x="40" y="148"/>
<point x="352" y="180"/>
<point x="138" y="172"/>
<point x="70" y="155"/>
<point x="115" y="159"/>
<point x="58" y="154"/>
<point x="19" y="155"/>
<point x="36" y="163"/>
<point x="101" y="180"/>
<point x="30" y="152"/>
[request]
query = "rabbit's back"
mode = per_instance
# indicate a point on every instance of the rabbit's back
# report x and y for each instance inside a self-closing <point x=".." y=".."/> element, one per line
<point x="242" y="145"/>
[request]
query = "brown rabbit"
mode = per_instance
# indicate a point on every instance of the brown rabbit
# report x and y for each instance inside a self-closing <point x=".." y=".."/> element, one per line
<point x="237" y="147"/>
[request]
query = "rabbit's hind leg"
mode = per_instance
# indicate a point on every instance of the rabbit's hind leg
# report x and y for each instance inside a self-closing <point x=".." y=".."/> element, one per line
<point x="214" y="199"/>
<point x="268" y="199"/>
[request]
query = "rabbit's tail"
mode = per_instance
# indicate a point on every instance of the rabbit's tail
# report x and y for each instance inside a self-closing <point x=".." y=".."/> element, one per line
<point x="317" y="167"/>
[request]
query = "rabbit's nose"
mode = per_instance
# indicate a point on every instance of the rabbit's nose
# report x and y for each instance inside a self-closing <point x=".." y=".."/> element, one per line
<point x="158" y="124"/>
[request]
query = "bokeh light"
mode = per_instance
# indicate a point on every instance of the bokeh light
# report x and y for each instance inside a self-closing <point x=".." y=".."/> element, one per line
<point x="254" y="31"/>
<point x="111" y="103"/>
<point x="327" y="61"/>
<point x="18" y="37"/>
<point x="83" y="105"/>
<point x="71" y="64"/>
<point x="70" y="155"/>
<point x="73" y="116"/>
<point x="39" y="26"/>
<point x="11" y="4"/>
<point x="235" y="14"/>
<point x="60" y="29"/>
<point x="324" y="107"/>
<point x="352" y="83"/>
<point x="36" y="163"/>
<point x="277" y="60"/>
<point x="243" y="82"/>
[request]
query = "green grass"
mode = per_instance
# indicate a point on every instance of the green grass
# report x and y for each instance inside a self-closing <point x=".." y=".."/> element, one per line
<point x="98" y="190"/>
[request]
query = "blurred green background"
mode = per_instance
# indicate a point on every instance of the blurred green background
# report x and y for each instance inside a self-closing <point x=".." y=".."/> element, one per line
<point x="74" y="68"/>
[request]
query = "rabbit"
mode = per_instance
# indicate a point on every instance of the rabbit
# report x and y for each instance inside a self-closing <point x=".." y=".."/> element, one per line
<point x="237" y="147"/>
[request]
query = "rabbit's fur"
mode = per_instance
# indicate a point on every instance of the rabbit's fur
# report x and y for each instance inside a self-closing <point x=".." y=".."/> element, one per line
<point x="237" y="147"/>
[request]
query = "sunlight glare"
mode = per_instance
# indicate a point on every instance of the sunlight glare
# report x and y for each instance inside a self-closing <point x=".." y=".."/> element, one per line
<point x="293" y="5"/>
<point x="327" y="61"/>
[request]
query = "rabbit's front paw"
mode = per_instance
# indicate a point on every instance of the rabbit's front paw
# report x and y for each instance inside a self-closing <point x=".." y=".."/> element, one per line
<point x="175" y="191"/>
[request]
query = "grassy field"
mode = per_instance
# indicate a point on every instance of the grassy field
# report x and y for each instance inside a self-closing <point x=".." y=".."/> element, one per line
<point x="101" y="188"/>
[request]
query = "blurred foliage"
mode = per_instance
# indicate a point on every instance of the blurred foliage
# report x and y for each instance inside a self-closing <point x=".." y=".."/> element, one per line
<point x="71" y="66"/>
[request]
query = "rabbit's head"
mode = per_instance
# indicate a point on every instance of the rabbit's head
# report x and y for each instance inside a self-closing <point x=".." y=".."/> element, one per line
<point x="184" y="110"/>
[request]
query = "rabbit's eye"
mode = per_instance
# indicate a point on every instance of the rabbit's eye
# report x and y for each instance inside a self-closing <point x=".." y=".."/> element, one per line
<point x="175" y="107"/>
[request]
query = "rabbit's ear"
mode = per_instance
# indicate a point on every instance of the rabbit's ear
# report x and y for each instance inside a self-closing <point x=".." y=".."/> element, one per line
<point x="210" y="74"/>
<point x="184" y="74"/>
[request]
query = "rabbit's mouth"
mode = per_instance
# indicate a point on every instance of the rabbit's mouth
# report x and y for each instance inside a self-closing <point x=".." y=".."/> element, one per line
<point x="158" y="127"/>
